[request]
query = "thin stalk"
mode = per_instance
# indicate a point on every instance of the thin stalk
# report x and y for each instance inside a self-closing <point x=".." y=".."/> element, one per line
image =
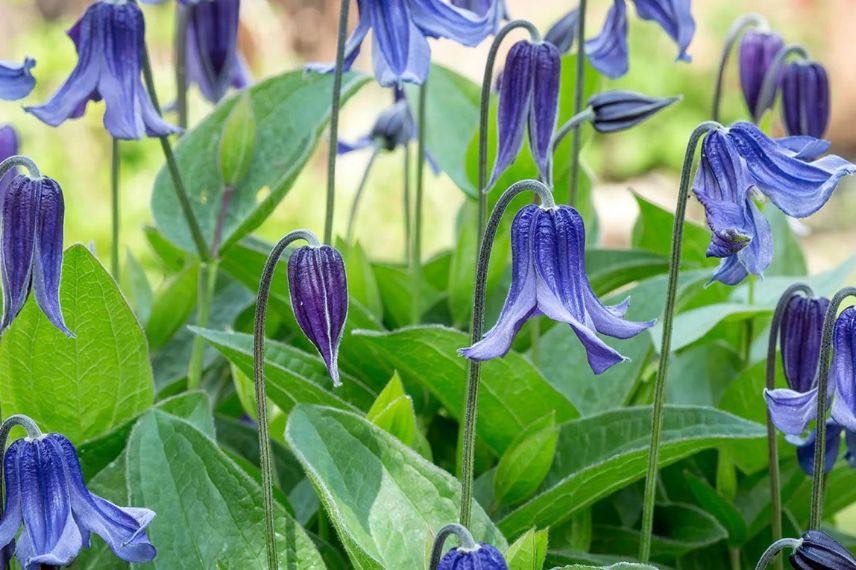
<point x="465" y="539"/>
<point x="772" y="441"/>
<point x="572" y="125"/>
<point x="174" y="172"/>
<point x="735" y="32"/>
<point x="579" y="86"/>
<point x="660" y="384"/>
<point x="416" y="252"/>
<point x="774" y="72"/>
<point x="479" y="293"/>
<point x="360" y="190"/>
<point x="775" y="548"/>
<point x="114" y="194"/>
<point x="19" y="160"/>
<point x="817" y="481"/>
<point x="749" y="325"/>
<point x="265" y="455"/>
<point x="332" y="152"/>
<point x="206" y="285"/>
<point x="406" y="205"/>
<point x="182" y="17"/>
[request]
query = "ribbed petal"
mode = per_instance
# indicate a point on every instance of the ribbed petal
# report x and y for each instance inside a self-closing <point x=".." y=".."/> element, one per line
<point x="756" y="258"/>
<point x="799" y="338"/>
<point x="521" y="300"/>
<point x="392" y="27"/>
<point x="791" y="411"/>
<point x="8" y="147"/>
<point x="515" y="95"/>
<point x="804" y="147"/>
<point x="608" y="50"/>
<point x="47" y="259"/>
<point x="319" y="298"/>
<point x="353" y="44"/>
<point x="11" y="520"/>
<point x="18" y="222"/>
<point x="805" y="98"/>
<point x="547" y="69"/>
<point x="563" y="33"/>
<point x="212" y="38"/>
<point x="729" y="271"/>
<point x="16" y="81"/>
<point x="395" y="126"/>
<point x="416" y="65"/>
<point x="819" y="551"/>
<point x="438" y="19"/>
<point x="676" y="19"/>
<point x="798" y="188"/>
<point x="844" y="369"/>
<point x="805" y="449"/>
<point x="620" y="110"/>
<point x="757" y="51"/>
<point x="486" y="557"/>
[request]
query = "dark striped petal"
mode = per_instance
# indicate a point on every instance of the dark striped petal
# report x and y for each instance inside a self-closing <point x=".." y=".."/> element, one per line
<point x="805" y="449"/>
<point x="799" y="337"/>
<point x="9" y="145"/>
<point x="805" y="98"/>
<point x="212" y="46"/>
<point x="547" y="69"/>
<point x="757" y="51"/>
<point x="844" y="369"/>
<point x="18" y="222"/>
<point x="485" y="557"/>
<point x="47" y="260"/>
<point x="619" y="110"/>
<point x="515" y="95"/>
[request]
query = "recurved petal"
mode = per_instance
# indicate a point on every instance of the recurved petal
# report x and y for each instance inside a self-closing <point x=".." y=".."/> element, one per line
<point x="438" y="19"/>
<point x="564" y="32"/>
<point x="16" y="81"/>
<point x="805" y="449"/>
<point x="676" y="19"/>
<point x="18" y="222"/>
<point x="547" y="68"/>
<point x="515" y="95"/>
<point x="47" y="259"/>
<point x="799" y="338"/>
<point x="758" y="255"/>
<point x="791" y="411"/>
<point x="729" y="271"/>
<point x="608" y="50"/>
<point x="415" y="69"/>
<point x="804" y="147"/>
<point x="844" y="369"/>
<point x="10" y="521"/>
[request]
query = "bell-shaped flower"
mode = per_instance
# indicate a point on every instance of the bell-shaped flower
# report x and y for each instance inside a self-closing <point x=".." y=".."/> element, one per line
<point x="805" y="448"/>
<point x="805" y="98"/>
<point x="528" y="95"/>
<point x="400" y="51"/>
<point x="9" y="146"/>
<point x="319" y="298"/>
<point x="758" y="49"/>
<point x="791" y="409"/>
<point x="45" y="491"/>
<point x="620" y="110"/>
<point x="483" y="557"/>
<point x="110" y="46"/>
<point x="563" y="33"/>
<point x="608" y="50"/>
<point x="16" y="80"/>
<point x="819" y="550"/>
<point x="496" y="8"/>
<point x="31" y="220"/>
<point x="843" y="372"/>
<point x="213" y="61"/>
<point x="549" y="277"/>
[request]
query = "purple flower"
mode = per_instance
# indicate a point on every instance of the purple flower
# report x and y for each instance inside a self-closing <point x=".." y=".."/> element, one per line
<point x="620" y="110"/>
<point x="805" y="98"/>
<point x="758" y="49"/>
<point x="819" y="550"/>
<point x="805" y="448"/>
<point x="564" y="32"/>
<point x="45" y="491"/>
<point x="31" y="249"/>
<point x="496" y="8"/>
<point x="528" y="95"/>
<point x="400" y="50"/>
<point x="16" y="81"/>
<point x="484" y="557"/>
<point x="319" y="298"/>
<point x="548" y="277"/>
<point x="844" y="369"/>
<point x="9" y="146"/>
<point x="110" y="47"/>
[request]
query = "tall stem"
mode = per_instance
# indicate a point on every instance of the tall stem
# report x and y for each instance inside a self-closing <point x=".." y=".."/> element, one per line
<point x="479" y="293"/>
<point x="736" y="30"/>
<point x="206" y="286"/>
<point x="775" y="548"/>
<point x="579" y="86"/>
<point x="344" y="9"/>
<point x="772" y="442"/>
<point x="182" y="16"/>
<point x="358" y="196"/>
<point x="660" y="384"/>
<point x="265" y="455"/>
<point x="408" y="216"/>
<point x="416" y="252"/>
<point x="115" y="218"/>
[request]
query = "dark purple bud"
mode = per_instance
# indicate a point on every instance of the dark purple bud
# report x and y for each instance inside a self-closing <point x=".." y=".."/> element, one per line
<point x="758" y="49"/>
<point x="564" y="32"/>
<point x="619" y="110"/>
<point x="805" y="98"/>
<point x="843" y="372"/>
<point x="819" y="550"/>
<point x="483" y="557"/>
<point x="319" y="298"/>
<point x="213" y="62"/>
<point x="805" y="448"/>
<point x="799" y="337"/>
<point x="16" y="81"/>
<point x="9" y="146"/>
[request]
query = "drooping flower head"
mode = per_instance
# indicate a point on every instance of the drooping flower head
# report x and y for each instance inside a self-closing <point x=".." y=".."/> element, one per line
<point x="9" y="146"/>
<point x="758" y="49"/>
<point x="563" y="33"/>
<point x="805" y="98"/>
<point x="319" y="298"/>
<point x="528" y="96"/>
<point x="31" y="226"/>
<point x="549" y="277"/>
<point x="620" y="110"/>
<point x="843" y="372"/>
<point x="110" y="46"/>
<point x="46" y="492"/>
<point x="819" y="550"/>
<point x="401" y="28"/>
<point x="483" y="557"/>
<point x="16" y="80"/>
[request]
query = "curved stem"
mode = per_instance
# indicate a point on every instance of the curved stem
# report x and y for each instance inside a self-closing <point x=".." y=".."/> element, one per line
<point x="416" y="253"/>
<point x="822" y="382"/>
<point x="572" y="124"/>
<point x="19" y="160"/>
<point x="360" y="190"/>
<point x="182" y="17"/>
<point x="660" y="384"/>
<point x="479" y="293"/>
<point x="774" y="72"/>
<point x="775" y="548"/>
<point x="772" y="442"/>
<point x="736" y="30"/>
<point x="464" y="538"/>
<point x="332" y="152"/>
<point x="265" y="455"/>
<point x="580" y="77"/>
<point x="114" y="193"/>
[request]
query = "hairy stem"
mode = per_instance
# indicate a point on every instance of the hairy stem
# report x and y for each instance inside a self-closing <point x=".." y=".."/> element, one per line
<point x="182" y="17"/>
<point x="775" y="548"/>
<point x="465" y="539"/>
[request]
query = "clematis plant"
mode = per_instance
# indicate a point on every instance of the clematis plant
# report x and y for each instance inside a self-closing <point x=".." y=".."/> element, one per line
<point x="805" y="98"/>
<point x="16" y="80"/>
<point x="758" y="50"/>
<point x="468" y="556"/>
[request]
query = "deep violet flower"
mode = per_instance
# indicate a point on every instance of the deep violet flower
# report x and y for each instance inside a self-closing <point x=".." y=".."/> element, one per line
<point x="110" y="46"/>
<point x="843" y="372"/>
<point x="528" y="95"/>
<point x="483" y="557"/>
<point x="563" y="33"/>
<point x="401" y="28"/>
<point x="46" y="492"/>
<point x="758" y="49"/>
<point x="548" y="277"/>
<point x="16" y="80"/>
<point x="805" y="448"/>
<point x="620" y="110"/>
<point x="819" y="550"/>
<point x="9" y="146"/>
<point x="319" y="298"/>
<point x="31" y="221"/>
<point x="805" y="98"/>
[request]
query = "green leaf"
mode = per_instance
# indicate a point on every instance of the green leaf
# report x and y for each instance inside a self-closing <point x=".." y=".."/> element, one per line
<point x="384" y="499"/>
<point x="172" y="258"/>
<point x="172" y="306"/>
<point x="513" y="392"/>
<point x="526" y="462"/>
<point x="701" y="374"/>
<point x="653" y="232"/>
<point x="291" y="111"/>
<point x="393" y="411"/>
<point x="137" y="284"/>
<point x="238" y="141"/>
<point x="610" y="269"/>
<point x="694" y="324"/>
<point x="600" y="454"/>
<point x="721" y="508"/>
<point x="529" y="551"/>
<point x="210" y="512"/>
<point x="85" y="386"/>
<point x="617" y="566"/>
<point x="396" y="290"/>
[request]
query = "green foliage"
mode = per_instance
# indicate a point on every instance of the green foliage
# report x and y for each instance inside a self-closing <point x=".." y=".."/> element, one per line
<point x="529" y="551"/>
<point x="526" y="462"/>
<point x="238" y="142"/>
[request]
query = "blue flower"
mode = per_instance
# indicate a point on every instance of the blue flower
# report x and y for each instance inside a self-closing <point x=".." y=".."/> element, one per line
<point x="805" y="98"/>
<point x="16" y="81"/>
<point x="528" y="95"/>
<point x="8" y="147"/>
<point x="496" y="8"/>
<point x="31" y="247"/>
<point x="819" y="550"/>
<point x="46" y="492"/>
<point x="401" y="28"/>
<point x="844" y="369"/>
<point x="758" y="49"/>
<point x="805" y="448"/>
<point x="608" y="50"/>
<point x="548" y="277"/>
<point x="110" y="46"/>
<point x="563" y="33"/>
<point x="483" y="557"/>
<point x="620" y="110"/>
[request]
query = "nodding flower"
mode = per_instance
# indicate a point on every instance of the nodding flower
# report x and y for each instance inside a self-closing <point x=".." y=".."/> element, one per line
<point x="9" y="146"/>
<point x="563" y="33"/>
<point x="16" y="80"/>
<point x="482" y="557"/>
<point x="819" y="550"/>
<point x="496" y="8"/>
<point x="805" y="98"/>
<point x="758" y="49"/>
<point x="620" y="110"/>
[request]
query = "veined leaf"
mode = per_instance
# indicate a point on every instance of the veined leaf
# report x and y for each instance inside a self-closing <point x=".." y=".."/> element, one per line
<point x="525" y="463"/>
<point x="529" y="551"/>
<point x="393" y="412"/>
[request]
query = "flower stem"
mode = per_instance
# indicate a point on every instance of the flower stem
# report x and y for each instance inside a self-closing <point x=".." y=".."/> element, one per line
<point x="114" y="193"/>
<point x="406" y="205"/>
<point x="579" y="87"/>
<point x="749" y="329"/>
<point x="775" y="548"/>
<point x="182" y="16"/>
<point x="479" y="293"/>
<point x="572" y="125"/>
<point x="660" y="383"/>
<point x="772" y="442"/>
<point x="736" y="30"/>
<point x="206" y="285"/>
<point x="416" y="252"/>
<point x="465" y="540"/>
<point x="19" y="160"/>
<point x="332" y="152"/>
<point x="265" y="455"/>
<point x="358" y="196"/>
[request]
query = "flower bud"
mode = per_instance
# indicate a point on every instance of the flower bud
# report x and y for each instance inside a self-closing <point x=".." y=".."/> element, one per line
<point x="619" y="110"/>
<point x="805" y="98"/>
<point x="484" y="557"/>
<point x="563" y="33"/>
<point x="758" y="49"/>
<point x="819" y="550"/>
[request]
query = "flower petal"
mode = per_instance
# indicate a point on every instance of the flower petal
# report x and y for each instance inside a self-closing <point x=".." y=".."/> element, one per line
<point x="212" y="51"/>
<point x="676" y="19"/>
<point x="608" y="50"/>
<point x="515" y="96"/>
<point x="547" y="68"/>
<point x="799" y="338"/>
<point x="844" y="369"/>
<point x="437" y="19"/>
<point x="10" y="522"/>
<point x="47" y="262"/>
<point x="619" y="110"/>
<point x="804" y="147"/>
<point x="805" y="98"/>
<point x="415" y="66"/>
<point x="16" y="81"/>
<point x="729" y="271"/>
<point x="18" y="221"/>
<point x="758" y="49"/>
<point x="805" y="449"/>
<point x="563" y="33"/>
